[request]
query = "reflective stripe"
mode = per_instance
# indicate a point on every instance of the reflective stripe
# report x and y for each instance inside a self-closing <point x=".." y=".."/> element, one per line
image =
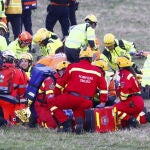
<point x="49" y="92"/>
<point x="129" y="76"/>
<point x="23" y="100"/>
<point x="86" y="71"/>
<point x="22" y="86"/>
<point x="9" y="98"/>
<point x="53" y="108"/>
<point x="103" y="92"/>
<point x="40" y="91"/>
<point x="59" y="86"/>
<point x="123" y="116"/>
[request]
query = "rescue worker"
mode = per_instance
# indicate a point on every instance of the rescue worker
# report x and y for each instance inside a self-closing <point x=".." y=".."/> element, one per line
<point x="48" y="41"/>
<point x="28" y="6"/>
<point x="13" y="13"/>
<point x="25" y="63"/>
<point x="3" y="40"/>
<point x="115" y="48"/>
<point x="131" y="103"/>
<point x="21" y="44"/>
<point x="11" y="92"/>
<point x="81" y="36"/>
<point x="77" y="95"/>
<point x="58" y="11"/>
<point x="44" y="117"/>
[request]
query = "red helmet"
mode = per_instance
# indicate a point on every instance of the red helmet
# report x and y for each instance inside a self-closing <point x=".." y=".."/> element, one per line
<point x="25" y="37"/>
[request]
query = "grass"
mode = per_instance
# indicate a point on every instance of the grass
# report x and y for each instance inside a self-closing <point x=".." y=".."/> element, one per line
<point x="127" y="20"/>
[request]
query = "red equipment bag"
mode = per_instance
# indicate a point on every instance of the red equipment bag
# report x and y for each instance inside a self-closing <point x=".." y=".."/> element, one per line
<point x="101" y="119"/>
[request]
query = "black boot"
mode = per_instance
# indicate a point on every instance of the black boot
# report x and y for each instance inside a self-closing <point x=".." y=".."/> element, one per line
<point x="132" y="122"/>
<point x="79" y="126"/>
<point x="32" y="122"/>
<point x="147" y="115"/>
<point x="65" y="126"/>
<point x="3" y="122"/>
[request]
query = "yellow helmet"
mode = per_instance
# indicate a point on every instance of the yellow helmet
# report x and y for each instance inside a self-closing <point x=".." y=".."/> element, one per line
<point x="86" y="53"/>
<point x="27" y="56"/>
<point x="41" y="35"/>
<point x="123" y="62"/>
<point x="3" y="26"/>
<point x="91" y="17"/>
<point x="101" y="63"/>
<point x="62" y="65"/>
<point x="109" y="39"/>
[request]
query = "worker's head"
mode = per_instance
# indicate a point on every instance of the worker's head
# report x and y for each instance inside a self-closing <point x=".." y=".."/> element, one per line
<point x="61" y="67"/>
<point x="86" y="54"/>
<point x="41" y="35"/>
<point x="109" y="41"/>
<point x="3" y="28"/>
<point x="8" y="56"/>
<point x="25" y="39"/>
<point x="26" y="60"/>
<point x="91" y="19"/>
<point x="101" y="64"/>
<point x="123" y="62"/>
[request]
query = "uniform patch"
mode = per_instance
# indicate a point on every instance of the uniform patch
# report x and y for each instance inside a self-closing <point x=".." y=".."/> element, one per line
<point x="52" y="86"/>
<point x="122" y="84"/>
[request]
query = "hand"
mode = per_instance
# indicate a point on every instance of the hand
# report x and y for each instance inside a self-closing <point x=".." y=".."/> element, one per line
<point x="29" y="102"/>
<point x="101" y="105"/>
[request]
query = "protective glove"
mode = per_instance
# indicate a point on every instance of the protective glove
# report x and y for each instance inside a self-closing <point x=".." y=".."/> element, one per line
<point x="101" y="105"/>
<point x="29" y="102"/>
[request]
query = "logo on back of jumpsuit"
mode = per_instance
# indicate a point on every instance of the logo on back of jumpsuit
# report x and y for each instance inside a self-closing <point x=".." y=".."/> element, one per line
<point x="104" y="120"/>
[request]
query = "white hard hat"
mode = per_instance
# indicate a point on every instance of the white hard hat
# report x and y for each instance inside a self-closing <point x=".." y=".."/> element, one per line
<point x="8" y="53"/>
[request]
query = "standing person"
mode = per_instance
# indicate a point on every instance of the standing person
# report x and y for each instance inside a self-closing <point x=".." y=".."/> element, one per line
<point x="13" y="13"/>
<point x="58" y="11"/>
<point x="131" y="102"/>
<point x="115" y="48"/>
<point x="77" y="96"/>
<point x="80" y="36"/>
<point x="28" y="6"/>
<point x="73" y="7"/>
<point x="21" y="44"/>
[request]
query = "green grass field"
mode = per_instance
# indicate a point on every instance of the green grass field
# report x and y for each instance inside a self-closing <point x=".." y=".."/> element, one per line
<point x="127" y="19"/>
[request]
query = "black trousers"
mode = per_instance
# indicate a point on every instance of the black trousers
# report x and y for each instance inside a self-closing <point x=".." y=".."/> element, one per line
<point x="15" y="21"/>
<point x="72" y="54"/>
<point x="27" y="20"/>
<point x="58" y="13"/>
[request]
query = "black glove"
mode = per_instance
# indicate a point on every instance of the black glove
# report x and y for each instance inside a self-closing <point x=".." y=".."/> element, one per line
<point x="135" y="67"/>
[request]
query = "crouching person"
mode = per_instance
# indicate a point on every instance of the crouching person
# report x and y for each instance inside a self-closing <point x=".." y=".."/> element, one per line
<point x="131" y="102"/>
<point x="10" y="88"/>
<point x="80" y="82"/>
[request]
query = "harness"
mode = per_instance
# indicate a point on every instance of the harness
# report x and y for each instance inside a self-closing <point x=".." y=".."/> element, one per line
<point x="79" y="95"/>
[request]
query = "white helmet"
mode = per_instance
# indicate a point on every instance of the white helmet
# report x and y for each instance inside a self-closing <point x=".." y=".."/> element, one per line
<point x="8" y="53"/>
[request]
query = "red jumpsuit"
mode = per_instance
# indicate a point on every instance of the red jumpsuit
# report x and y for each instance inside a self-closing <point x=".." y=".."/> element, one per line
<point x="80" y="83"/>
<point x="44" y="117"/>
<point x="9" y="101"/>
<point x="131" y="103"/>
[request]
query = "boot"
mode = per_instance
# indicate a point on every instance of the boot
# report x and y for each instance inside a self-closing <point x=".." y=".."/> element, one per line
<point x="32" y="122"/>
<point x="147" y="115"/>
<point x="79" y="126"/>
<point x="132" y="122"/>
<point x="3" y="122"/>
<point x="65" y="126"/>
